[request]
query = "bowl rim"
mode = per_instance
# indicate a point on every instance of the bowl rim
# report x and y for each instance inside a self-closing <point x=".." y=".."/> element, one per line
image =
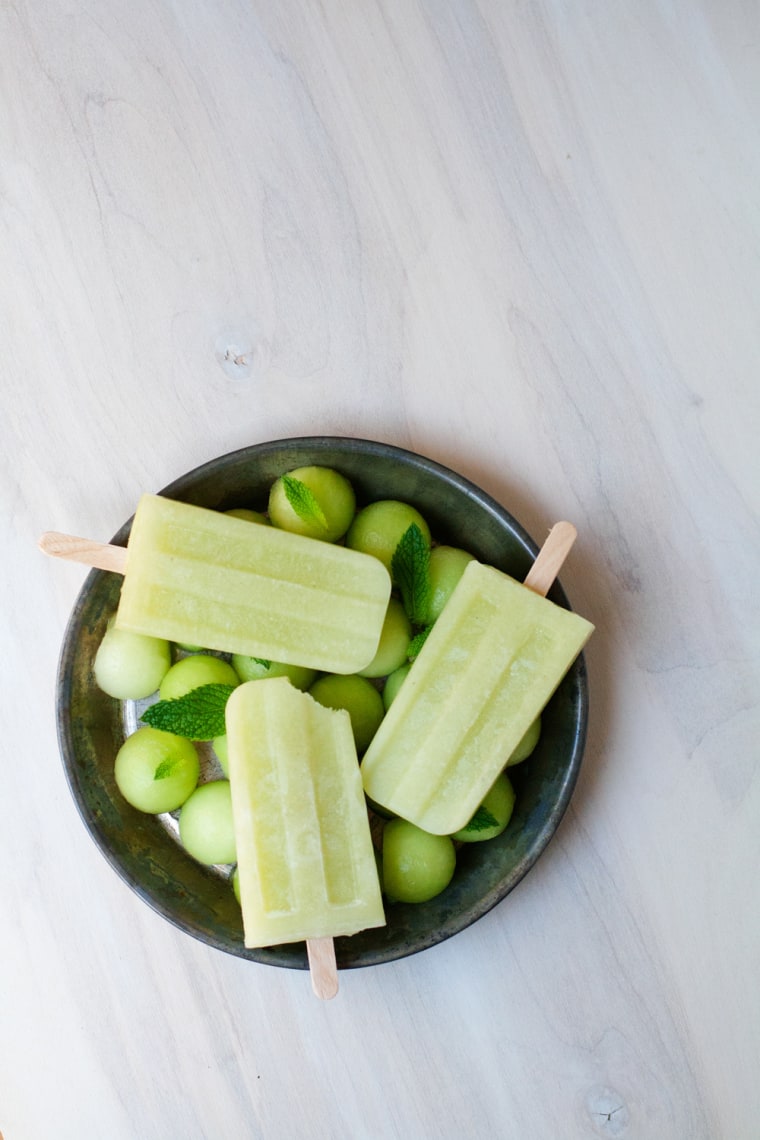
<point x="283" y="956"/>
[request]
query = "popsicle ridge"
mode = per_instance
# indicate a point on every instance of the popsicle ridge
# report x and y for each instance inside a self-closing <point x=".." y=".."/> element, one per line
<point x="492" y="661"/>
<point x="277" y="885"/>
<point x="199" y="576"/>
<point x="290" y="557"/>
<point x="469" y="712"/>
<point x="333" y="810"/>
<point x="305" y="859"/>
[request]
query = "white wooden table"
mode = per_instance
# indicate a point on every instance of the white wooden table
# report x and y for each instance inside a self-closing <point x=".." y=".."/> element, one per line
<point x="521" y="238"/>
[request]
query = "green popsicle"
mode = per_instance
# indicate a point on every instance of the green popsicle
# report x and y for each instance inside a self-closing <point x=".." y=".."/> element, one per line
<point x="305" y="858"/>
<point x="206" y="578"/>
<point x="489" y="666"/>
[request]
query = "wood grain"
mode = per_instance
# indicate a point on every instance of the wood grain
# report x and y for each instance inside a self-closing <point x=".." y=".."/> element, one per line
<point x="523" y="240"/>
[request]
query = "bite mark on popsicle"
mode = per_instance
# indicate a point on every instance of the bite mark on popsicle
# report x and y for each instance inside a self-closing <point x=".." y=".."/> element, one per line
<point x="306" y="864"/>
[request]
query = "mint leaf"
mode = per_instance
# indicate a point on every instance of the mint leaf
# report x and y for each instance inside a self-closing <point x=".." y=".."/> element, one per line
<point x="198" y="715"/>
<point x="415" y="645"/>
<point x="303" y="501"/>
<point x="410" y="567"/>
<point x="166" y="769"/>
<point x="260" y="661"/>
<point x="481" y="821"/>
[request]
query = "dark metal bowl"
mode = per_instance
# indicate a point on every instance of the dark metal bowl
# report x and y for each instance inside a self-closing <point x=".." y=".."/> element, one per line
<point x="196" y="898"/>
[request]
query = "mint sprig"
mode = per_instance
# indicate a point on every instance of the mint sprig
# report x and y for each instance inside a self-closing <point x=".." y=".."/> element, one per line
<point x="198" y="715"/>
<point x="481" y="821"/>
<point x="303" y="501"/>
<point x="410" y="567"/>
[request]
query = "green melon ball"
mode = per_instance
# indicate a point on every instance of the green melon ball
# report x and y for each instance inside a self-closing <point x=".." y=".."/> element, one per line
<point x="393" y="684"/>
<point x="394" y="642"/>
<point x="447" y="565"/>
<point x="156" y="771"/>
<point x="326" y="510"/>
<point x="205" y="824"/>
<point x="378" y="528"/>
<point x="129" y="666"/>
<point x="236" y="883"/>
<point x="219" y="744"/>
<point x="417" y="866"/>
<point x="249" y="516"/>
<point x="493" y="815"/>
<point x="255" y="669"/>
<point x="358" y="697"/>
<point x="192" y="672"/>
<point x="527" y="744"/>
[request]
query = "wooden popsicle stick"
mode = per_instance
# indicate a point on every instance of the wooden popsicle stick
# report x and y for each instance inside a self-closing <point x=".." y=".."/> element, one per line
<point x="99" y="555"/>
<point x="550" y="558"/>
<point x="322" y="967"/>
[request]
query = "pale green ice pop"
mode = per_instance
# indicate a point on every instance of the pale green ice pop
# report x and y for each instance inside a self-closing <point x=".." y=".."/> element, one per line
<point x="305" y="859"/>
<point x="201" y="577"/>
<point x="491" y="662"/>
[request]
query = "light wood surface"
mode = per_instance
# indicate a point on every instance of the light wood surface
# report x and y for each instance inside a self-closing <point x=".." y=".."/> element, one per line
<point x="522" y="239"/>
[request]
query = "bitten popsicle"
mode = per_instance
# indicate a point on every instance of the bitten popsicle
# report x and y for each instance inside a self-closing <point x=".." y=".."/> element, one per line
<point x="202" y="577"/>
<point x="490" y="664"/>
<point x="306" y="864"/>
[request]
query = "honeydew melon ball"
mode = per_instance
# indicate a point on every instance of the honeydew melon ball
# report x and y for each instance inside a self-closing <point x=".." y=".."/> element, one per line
<point x="129" y="666"/>
<point x="156" y="771"/>
<point x="493" y="815"/>
<point x="394" y="642"/>
<point x="254" y="669"/>
<point x="192" y="672"/>
<point x="205" y="824"/>
<point x="334" y="499"/>
<point x="526" y="745"/>
<point x="417" y="866"/>
<point x="358" y="697"/>
<point x="379" y="527"/>
<point x="248" y="515"/>
<point x="447" y="565"/>
<point x="393" y="684"/>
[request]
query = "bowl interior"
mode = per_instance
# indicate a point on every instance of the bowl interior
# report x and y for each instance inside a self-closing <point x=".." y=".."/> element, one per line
<point x="197" y="899"/>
